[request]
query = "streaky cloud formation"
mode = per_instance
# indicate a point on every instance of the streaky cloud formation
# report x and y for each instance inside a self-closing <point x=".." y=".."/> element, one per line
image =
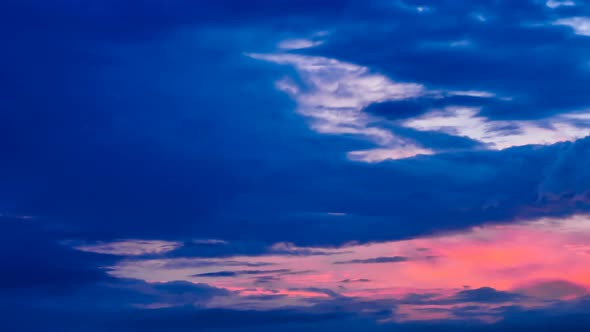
<point x="131" y="247"/>
<point x="241" y="272"/>
<point x="296" y="44"/>
<point x="376" y="260"/>
<point x="336" y="94"/>
<point x="498" y="264"/>
<point x="463" y="121"/>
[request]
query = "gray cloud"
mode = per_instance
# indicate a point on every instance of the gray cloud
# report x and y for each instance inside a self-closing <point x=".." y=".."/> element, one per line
<point x="376" y="260"/>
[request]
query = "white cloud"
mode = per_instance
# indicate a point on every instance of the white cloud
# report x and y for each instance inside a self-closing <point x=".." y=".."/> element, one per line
<point x="335" y="95"/>
<point x="128" y="247"/>
<point x="556" y="3"/>
<point x="210" y="242"/>
<point x="502" y="134"/>
<point x="472" y="93"/>
<point x="581" y="25"/>
<point x="300" y="43"/>
<point x="381" y="154"/>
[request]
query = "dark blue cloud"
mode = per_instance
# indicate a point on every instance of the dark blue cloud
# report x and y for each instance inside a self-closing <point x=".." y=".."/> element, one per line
<point x="241" y="272"/>
<point x="125" y="135"/>
<point x="485" y="294"/>
<point x="376" y="260"/>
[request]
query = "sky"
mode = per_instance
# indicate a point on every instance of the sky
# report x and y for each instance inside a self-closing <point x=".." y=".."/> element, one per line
<point x="294" y="165"/>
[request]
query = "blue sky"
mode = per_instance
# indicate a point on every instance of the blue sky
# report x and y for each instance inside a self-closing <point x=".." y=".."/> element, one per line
<point x="276" y="165"/>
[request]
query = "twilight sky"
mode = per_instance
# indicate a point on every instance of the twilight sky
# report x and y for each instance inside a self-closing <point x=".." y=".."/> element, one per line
<point x="295" y="165"/>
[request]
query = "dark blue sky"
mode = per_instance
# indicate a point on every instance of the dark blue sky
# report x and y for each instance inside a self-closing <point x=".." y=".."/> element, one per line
<point x="176" y="165"/>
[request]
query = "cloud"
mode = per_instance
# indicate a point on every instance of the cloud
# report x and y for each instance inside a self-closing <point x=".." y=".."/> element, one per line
<point x="266" y="280"/>
<point x="200" y="262"/>
<point x="556" y="3"/>
<point x="325" y="291"/>
<point x="287" y="248"/>
<point x="377" y="155"/>
<point x="472" y="93"/>
<point x="128" y="247"/>
<point x="486" y="305"/>
<point x="376" y="260"/>
<point x="463" y="121"/>
<point x="580" y="25"/>
<point x="500" y="266"/>
<point x="553" y="289"/>
<point x="486" y="295"/>
<point x="483" y="303"/>
<point x="296" y="44"/>
<point x="335" y="93"/>
<point x="241" y="272"/>
<point x="209" y="242"/>
<point x="346" y="281"/>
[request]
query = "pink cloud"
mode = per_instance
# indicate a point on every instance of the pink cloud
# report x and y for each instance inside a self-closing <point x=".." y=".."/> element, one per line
<point x="546" y="259"/>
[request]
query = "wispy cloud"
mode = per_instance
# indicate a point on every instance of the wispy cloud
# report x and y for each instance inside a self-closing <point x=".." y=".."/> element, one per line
<point x="376" y="260"/>
<point x="501" y="134"/>
<point x="286" y="248"/>
<point x="580" y="25"/>
<point x="223" y="274"/>
<point x="499" y="263"/>
<point x="334" y="96"/>
<point x="559" y="3"/>
<point x="300" y="43"/>
<point x="129" y="247"/>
